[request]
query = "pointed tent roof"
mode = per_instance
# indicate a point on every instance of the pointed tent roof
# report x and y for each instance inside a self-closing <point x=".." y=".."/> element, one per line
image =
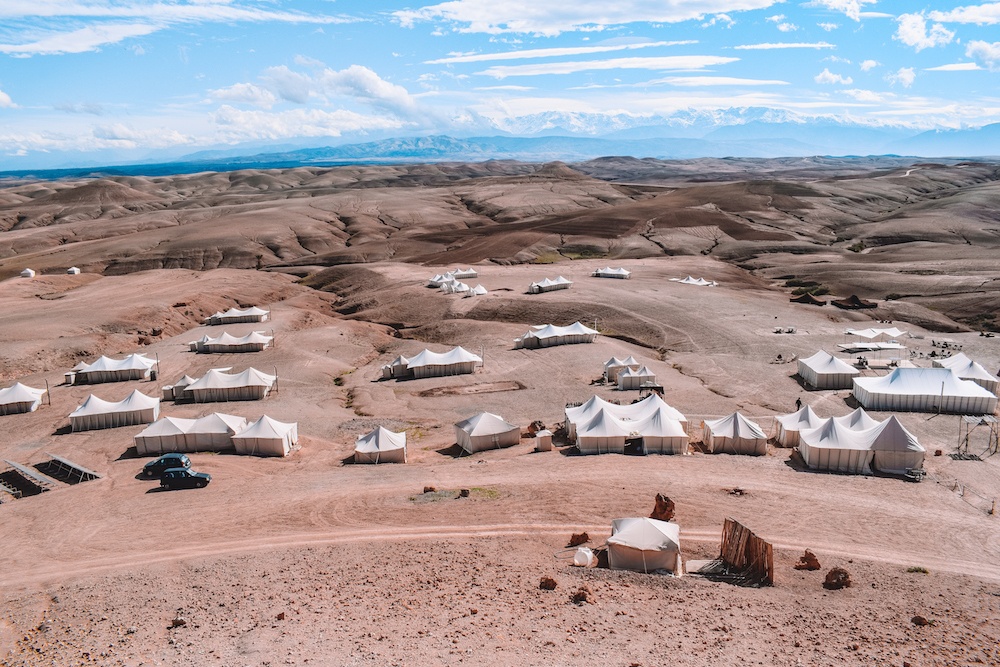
<point x="809" y="299"/>
<point x="966" y="368"/>
<point x="858" y="420"/>
<point x="608" y="271"/>
<point x="735" y="426"/>
<point x="380" y="440"/>
<point x="924" y="381"/>
<point x="217" y="379"/>
<point x="801" y="419"/>
<point x="236" y="312"/>
<point x="167" y="426"/>
<point x="478" y="290"/>
<point x="892" y="436"/>
<point x="826" y="363"/>
<point x="97" y="406"/>
<point x="265" y="427"/>
<point x="853" y="302"/>
<point x="218" y="423"/>
<point x="659" y="424"/>
<point x="614" y="362"/>
<point x="553" y="331"/>
<point x="645" y="534"/>
<point x="834" y="435"/>
<point x="225" y="338"/>
<point x="871" y="333"/>
<point x="485" y="423"/>
<point x="20" y="393"/>
<point x="603" y="425"/>
<point x="131" y="362"/>
<point x="457" y="355"/>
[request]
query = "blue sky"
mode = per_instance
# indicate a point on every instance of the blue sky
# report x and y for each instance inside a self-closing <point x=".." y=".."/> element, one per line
<point x="127" y="78"/>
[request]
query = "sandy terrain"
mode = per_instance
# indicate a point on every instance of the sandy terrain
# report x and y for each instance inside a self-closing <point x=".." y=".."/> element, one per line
<point x="313" y="560"/>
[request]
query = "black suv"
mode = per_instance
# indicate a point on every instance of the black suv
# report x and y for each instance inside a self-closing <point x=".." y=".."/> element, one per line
<point x="184" y="478"/>
<point x="164" y="463"/>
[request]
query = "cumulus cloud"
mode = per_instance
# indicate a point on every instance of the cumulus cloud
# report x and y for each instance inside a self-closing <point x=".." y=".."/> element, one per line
<point x="234" y="125"/>
<point x="828" y="26"/>
<point x="570" y="67"/>
<point x="552" y="18"/>
<point x="288" y="85"/>
<point x="5" y="101"/>
<point x="985" y="14"/>
<point x="826" y="76"/>
<point x="985" y="52"/>
<point x="722" y="19"/>
<point x="120" y="135"/>
<point x="904" y="76"/>
<point x="362" y="83"/>
<point x="246" y="93"/>
<point x="868" y="65"/>
<point x="850" y="8"/>
<point x="912" y="31"/>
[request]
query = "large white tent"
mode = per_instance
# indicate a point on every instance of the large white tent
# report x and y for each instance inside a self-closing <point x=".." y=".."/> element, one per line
<point x="19" y="398"/>
<point x="895" y="450"/>
<point x="614" y="366"/>
<point x="602" y="434"/>
<point x="548" y="335"/>
<point x="833" y="447"/>
<point x="267" y="437"/>
<point x="464" y="273"/>
<point x="608" y="272"/>
<point x="967" y="369"/>
<point x="485" y="431"/>
<point x="237" y="315"/>
<point x="644" y="545"/>
<point x="217" y="385"/>
<point x="857" y="420"/>
<point x="380" y="446"/>
<point x="634" y="412"/>
<point x="733" y="434"/>
<point x="549" y="284"/>
<point x="661" y="433"/>
<point x="94" y="413"/>
<point x="211" y="433"/>
<point x="255" y="341"/>
<point x="877" y="334"/>
<point x="825" y="371"/>
<point x="789" y="426"/>
<point x="425" y="364"/>
<point x="700" y="282"/>
<point x="105" y="369"/>
<point x="634" y="379"/>
<point x="924" y="390"/>
<point x="478" y="290"/>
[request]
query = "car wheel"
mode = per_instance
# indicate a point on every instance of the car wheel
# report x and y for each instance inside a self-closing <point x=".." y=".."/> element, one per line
<point x="201" y="485"/>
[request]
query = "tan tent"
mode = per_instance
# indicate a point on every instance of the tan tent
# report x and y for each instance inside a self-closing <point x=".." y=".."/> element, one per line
<point x="834" y="447"/>
<point x="634" y="379"/>
<point x="267" y="437"/>
<point x="734" y="434"/>
<point x="644" y="545"/>
<point x="485" y="431"/>
<point x="106" y="369"/>
<point x="896" y="450"/>
<point x="789" y="426"/>
<point x="237" y="315"/>
<point x="254" y="341"/>
<point x="825" y="371"/>
<point x="94" y="413"/>
<point x="211" y="433"/>
<point x="380" y="446"/>
<point x="20" y="398"/>
<point x="216" y="385"/>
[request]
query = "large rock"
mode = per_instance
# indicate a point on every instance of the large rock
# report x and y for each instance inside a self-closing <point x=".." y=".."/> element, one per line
<point x="664" y="510"/>
<point x="837" y="578"/>
<point x="808" y="561"/>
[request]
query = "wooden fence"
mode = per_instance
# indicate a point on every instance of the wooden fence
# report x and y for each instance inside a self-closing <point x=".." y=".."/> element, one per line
<point x="744" y="552"/>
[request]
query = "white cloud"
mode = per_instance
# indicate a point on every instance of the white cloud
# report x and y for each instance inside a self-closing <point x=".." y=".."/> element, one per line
<point x="954" y="67"/>
<point x="850" y="8"/>
<point x="826" y="76"/>
<point x="785" y="45"/>
<point x="828" y="26"/>
<point x="777" y="18"/>
<point x="787" y="27"/>
<point x="985" y="14"/>
<point x="79" y="41"/>
<point x="863" y="95"/>
<point x="904" y="76"/>
<point x="234" y="125"/>
<point x="553" y="18"/>
<point x="724" y="19"/>
<point x="570" y="67"/>
<point x="247" y="93"/>
<point x="120" y="135"/>
<point x="698" y="81"/>
<point x="912" y="31"/>
<point x="550" y="53"/>
<point x="362" y="83"/>
<point x="290" y="86"/>
<point x="5" y="101"/>
<point x="837" y="59"/>
<point x="985" y="52"/>
<point x="520" y="89"/>
<point x="868" y="65"/>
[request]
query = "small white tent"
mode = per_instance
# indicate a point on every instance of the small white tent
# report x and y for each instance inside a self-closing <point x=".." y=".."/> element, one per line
<point x="825" y="371"/>
<point x="644" y="545"/>
<point x="28" y="273"/>
<point x="549" y="285"/>
<point x="924" y="390"/>
<point x="217" y="385"/>
<point x="73" y="271"/>
<point x="614" y="366"/>
<point x="548" y="335"/>
<point x="478" y="290"/>
<point x="211" y="433"/>
<point x="425" y="364"/>
<point x="237" y="315"/>
<point x="94" y="413"/>
<point x="608" y="272"/>
<point x="380" y="446"/>
<point x="267" y="437"/>
<point x="789" y="426"/>
<point x="20" y="398"/>
<point x="485" y="431"/>
<point x="105" y="369"/>
<point x="967" y="369"/>
<point x="254" y="341"/>
<point x="661" y="433"/>
<point x="700" y="282"/>
<point x="634" y="379"/>
<point x="833" y="447"/>
<point x="602" y="434"/>
<point x="734" y="434"/>
<point x="896" y="450"/>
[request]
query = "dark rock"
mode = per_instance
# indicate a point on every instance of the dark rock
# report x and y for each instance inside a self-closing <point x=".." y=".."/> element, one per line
<point x="808" y="561"/>
<point x="664" y="509"/>
<point x="547" y="584"/>
<point x="576" y="539"/>
<point x="837" y="578"/>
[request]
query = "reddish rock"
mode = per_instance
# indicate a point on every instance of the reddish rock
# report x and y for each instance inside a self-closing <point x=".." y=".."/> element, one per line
<point x="547" y="584"/>
<point x="808" y="561"/>
<point x="837" y="578"/>
<point x="664" y="509"/>
<point x="576" y="539"/>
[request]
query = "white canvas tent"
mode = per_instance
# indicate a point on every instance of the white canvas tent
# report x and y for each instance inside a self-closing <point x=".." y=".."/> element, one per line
<point x="254" y="341"/>
<point x="95" y="413"/>
<point x="924" y="390"/>
<point x="608" y="272"/>
<point x="789" y="426"/>
<point x="395" y="368"/>
<point x="614" y="366"/>
<point x="20" y="398"/>
<point x="734" y="434"/>
<point x="105" y="369"/>
<point x="548" y="335"/>
<point x="602" y="434"/>
<point x="644" y="545"/>
<point x="857" y="420"/>
<point x="549" y="285"/>
<point x="73" y="271"/>
<point x="237" y="315"/>
<point x="440" y="279"/>
<point x="661" y="433"/>
<point x="833" y="447"/>
<point x="425" y="364"/>
<point x="700" y="282"/>
<point x="485" y="431"/>
<point x="825" y="371"/>
<point x="217" y="385"/>
<point x="873" y="334"/>
<point x="895" y="450"/>
<point x="967" y="369"/>
<point x="267" y="437"/>
<point x="380" y="446"/>
<point x="478" y="290"/>
<point x="633" y="412"/>
<point x="211" y="433"/>
<point x="28" y="273"/>
<point x="465" y="273"/>
<point x="634" y="379"/>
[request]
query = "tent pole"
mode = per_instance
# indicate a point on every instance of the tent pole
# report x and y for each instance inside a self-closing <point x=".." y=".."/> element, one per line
<point x="48" y="393"/>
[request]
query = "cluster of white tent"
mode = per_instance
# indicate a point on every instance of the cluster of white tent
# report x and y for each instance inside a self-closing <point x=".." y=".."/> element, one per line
<point x="855" y="443"/>
<point x="924" y="390"/>
<point x="218" y="432"/>
<point x="600" y="427"/>
<point x="547" y="335"/>
<point x="614" y="366"/>
<point x="733" y="434"/>
<point x="452" y="276"/>
<point x="236" y="315"/>
<point x="218" y="385"/>
<point x="635" y="379"/>
<point x="608" y="272"/>
<point x="425" y="364"/>
<point x="549" y="284"/>
<point x="96" y="413"/>
<point x="485" y="431"/>
<point x="380" y="446"/>
<point x="458" y="287"/>
<point x="700" y="282"/>
<point x="825" y="371"/>
<point x="876" y="334"/>
<point x="106" y="369"/>
<point x="20" y="398"/>
<point x="254" y="341"/>
<point x="967" y="369"/>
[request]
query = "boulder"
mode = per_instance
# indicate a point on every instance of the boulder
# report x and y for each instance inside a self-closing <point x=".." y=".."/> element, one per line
<point x="808" y="561"/>
<point x="836" y="579"/>
<point x="664" y="509"/>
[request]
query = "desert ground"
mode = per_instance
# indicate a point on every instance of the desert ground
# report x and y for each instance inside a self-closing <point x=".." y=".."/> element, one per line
<point x="311" y="559"/>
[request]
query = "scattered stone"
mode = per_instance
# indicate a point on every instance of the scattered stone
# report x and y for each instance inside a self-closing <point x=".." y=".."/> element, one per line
<point x="581" y="595"/>
<point x="281" y="616"/>
<point x="430" y="489"/>
<point x="179" y="621"/>
<point x="836" y="579"/>
<point x="919" y="620"/>
<point x="547" y="584"/>
<point x="576" y="539"/>
<point x="131" y="630"/>
<point x="473" y="611"/>
<point x="737" y="491"/>
<point x="664" y="509"/>
<point x="808" y="561"/>
<point x="44" y="626"/>
<point x="938" y="452"/>
<point x="464" y="493"/>
<point x="534" y="427"/>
